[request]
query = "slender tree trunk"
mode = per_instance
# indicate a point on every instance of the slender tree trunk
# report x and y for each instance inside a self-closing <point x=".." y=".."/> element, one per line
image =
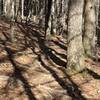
<point x="1" y="7"/>
<point x="89" y="36"/>
<point x="12" y="19"/>
<point x="22" y="9"/>
<point x="48" y="10"/>
<point x="4" y="5"/>
<point x="98" y="21"/>
<point x="75" y="51"/>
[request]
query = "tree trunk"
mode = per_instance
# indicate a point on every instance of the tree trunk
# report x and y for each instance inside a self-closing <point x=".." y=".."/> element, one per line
<point x="22" y="16"/>
<point x="1" y="7"/>
<point x="75" y="51"/>
<point x="89" y="37"/>
<point x="12" y="20"/>
<point x="48" y="10"/>
<point x="98" y="21"/>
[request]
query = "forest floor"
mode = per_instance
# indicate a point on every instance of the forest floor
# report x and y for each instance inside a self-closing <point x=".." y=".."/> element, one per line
<point x="34" y="69"/>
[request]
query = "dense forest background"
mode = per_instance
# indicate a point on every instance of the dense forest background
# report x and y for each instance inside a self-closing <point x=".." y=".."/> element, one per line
<point x="49" y="49"/>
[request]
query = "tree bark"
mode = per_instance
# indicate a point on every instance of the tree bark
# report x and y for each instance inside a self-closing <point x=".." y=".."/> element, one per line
<point x="1" y="7"/>
<point x="75" y="51"/>
<point x="12" y="20"/>
<point x="89" y="36"/>
<point x="22" y="16"/>
<point x="98" y="21"/>
<point x="48" y="10"/>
